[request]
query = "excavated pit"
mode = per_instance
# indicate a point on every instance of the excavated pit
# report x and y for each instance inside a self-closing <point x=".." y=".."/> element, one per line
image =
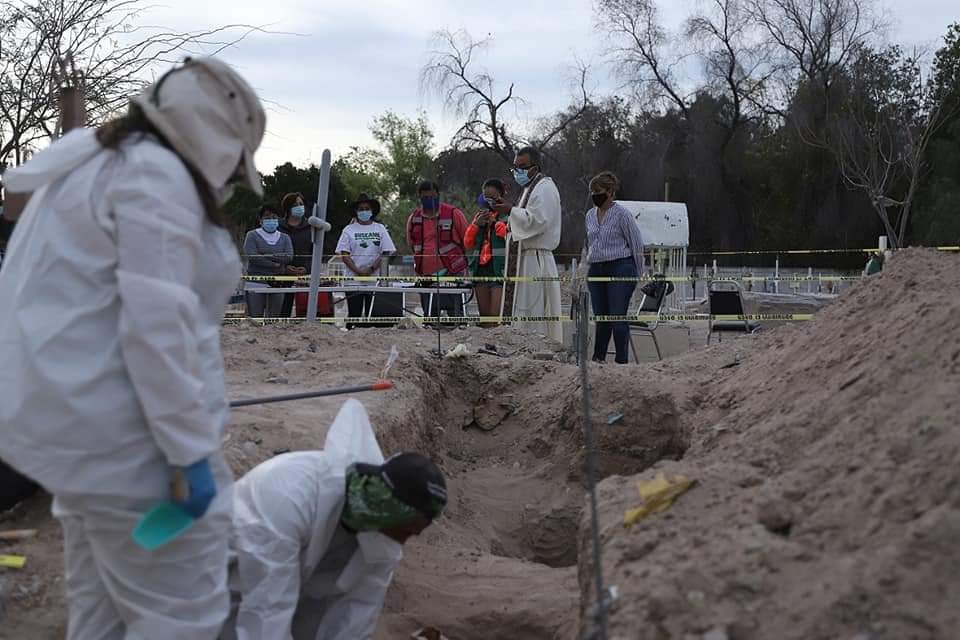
<point x="507" y="431"/>
<point x="509" y="434"/>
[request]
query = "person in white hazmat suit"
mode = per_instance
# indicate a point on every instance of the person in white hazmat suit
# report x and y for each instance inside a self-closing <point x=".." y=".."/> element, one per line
<point x="114" y="289"/>
<point x="318" y="534"/>
<point x="535" y="223"/>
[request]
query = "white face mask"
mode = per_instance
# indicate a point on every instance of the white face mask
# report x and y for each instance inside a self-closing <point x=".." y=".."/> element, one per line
<point x="378" y="548"/>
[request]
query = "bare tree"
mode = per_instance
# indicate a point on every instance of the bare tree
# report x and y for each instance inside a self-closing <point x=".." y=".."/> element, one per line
<point x="815" y="39"/>
<point x="641" y="52"/>
<point x="736" y="60"/>
<point x="470" y="93"/>
<point x="880" y="129"/>
<point x="103" y="38"/>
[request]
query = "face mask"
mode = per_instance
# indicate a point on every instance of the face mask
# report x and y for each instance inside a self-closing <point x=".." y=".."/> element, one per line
<point x="270" y="225"/>
<point x="364" y="216"/>
<point x="599" y="198"/>
<point x="521" y="177"/>
<point x="430" y="204"/>
<point x="378" y="548"/>
<point x="298" y="211"/>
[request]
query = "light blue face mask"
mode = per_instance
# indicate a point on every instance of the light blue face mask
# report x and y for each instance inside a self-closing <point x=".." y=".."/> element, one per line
<point x="298" y="211"/>
<point x="365" y="216"/>
<point x="270" y="225"/>
<point x="521" y="177"/>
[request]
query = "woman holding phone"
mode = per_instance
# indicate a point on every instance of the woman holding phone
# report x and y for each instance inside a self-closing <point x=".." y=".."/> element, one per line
<point x="486" y="239"/>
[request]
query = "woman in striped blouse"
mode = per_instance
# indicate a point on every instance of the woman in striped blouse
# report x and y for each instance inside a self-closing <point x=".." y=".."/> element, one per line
<point x="614" y="250"/>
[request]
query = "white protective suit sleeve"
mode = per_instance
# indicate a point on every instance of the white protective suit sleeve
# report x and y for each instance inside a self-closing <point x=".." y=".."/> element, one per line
<point x="159" y="221"/>
<point x="354" y="615"/>
<point x="276" y="515"/>
<point x="539" y="212"/>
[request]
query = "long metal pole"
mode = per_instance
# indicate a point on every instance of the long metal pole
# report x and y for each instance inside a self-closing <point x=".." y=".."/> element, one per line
<point x="376" y="386"/>
<point x="319" y="210"/>
<point x="601" y="603"/>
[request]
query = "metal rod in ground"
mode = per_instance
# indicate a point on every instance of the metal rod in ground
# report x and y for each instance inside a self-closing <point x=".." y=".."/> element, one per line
<point x="601" y="603"/>
<point x="376" y="386"/>
<point x="317" y="235"/>
<point x="436" y="307"/>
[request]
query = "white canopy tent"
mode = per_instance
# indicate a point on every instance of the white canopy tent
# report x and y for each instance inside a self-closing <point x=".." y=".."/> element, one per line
<point x="665" y="229"/>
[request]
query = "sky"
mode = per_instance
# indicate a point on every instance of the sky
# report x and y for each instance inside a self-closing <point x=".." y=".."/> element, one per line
<point x="329" y="67"/>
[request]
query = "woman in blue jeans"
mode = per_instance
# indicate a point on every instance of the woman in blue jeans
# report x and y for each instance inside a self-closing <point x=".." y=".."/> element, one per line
<point x="614" y="249"/>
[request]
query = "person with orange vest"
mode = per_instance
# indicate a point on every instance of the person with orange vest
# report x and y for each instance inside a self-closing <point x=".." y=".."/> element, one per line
<point x="435" y="234"/>
<point x="486" y="238"/>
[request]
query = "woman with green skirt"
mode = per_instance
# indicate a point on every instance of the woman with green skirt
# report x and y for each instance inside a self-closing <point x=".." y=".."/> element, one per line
<point x="486" y="239"/>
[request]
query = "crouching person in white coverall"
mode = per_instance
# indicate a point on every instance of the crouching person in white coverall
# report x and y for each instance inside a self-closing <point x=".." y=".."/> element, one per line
<point x="318" y="534"/>
<point x="113" y="290"/>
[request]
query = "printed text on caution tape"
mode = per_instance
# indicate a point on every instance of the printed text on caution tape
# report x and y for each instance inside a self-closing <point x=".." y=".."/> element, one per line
<point x="775" y="317"/>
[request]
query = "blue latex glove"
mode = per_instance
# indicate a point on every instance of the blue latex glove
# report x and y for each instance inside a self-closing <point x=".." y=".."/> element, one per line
<point x="200" y="489"/>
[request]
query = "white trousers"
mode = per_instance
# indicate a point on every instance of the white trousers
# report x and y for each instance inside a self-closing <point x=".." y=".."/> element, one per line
<point x="539" y="299"/>
<point x="118" y="591"/>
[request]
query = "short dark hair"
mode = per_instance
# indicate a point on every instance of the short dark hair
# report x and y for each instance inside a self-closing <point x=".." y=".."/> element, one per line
<point x="428" y="185"/>
<point x="497" y="184"/>
<point x="268" y="208"/>
<point x="532" y="153"/>
<point x="289" y="201"/>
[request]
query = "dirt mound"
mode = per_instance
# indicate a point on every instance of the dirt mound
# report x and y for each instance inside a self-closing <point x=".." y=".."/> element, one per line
<point x="827" y="503"/>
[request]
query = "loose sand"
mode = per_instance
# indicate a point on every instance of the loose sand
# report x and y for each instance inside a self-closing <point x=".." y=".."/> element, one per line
<point x="828" y="485"/>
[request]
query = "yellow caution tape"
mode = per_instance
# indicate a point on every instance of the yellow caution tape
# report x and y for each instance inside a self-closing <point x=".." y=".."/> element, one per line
<point x="12" y="562"/>
<point x="427" y="282"/>
<point x="657" y="496"/>
<point x="735" y="252"/>
<point x="766" y="317"/>
<point x="769" y="252"/>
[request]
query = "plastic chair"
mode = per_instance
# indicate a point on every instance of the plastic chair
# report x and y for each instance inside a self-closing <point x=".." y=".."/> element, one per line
<point x="726" y="299"/>
<point x="654" y="294"/>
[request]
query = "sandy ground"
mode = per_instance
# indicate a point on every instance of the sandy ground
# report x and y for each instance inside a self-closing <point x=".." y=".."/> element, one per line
<point x="827" y="497"/>
<point x="826" y="462"/>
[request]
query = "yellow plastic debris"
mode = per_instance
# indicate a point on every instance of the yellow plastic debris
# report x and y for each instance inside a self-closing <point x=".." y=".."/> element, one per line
<point x="657" y="495"/>
<point x="13" y="562"/>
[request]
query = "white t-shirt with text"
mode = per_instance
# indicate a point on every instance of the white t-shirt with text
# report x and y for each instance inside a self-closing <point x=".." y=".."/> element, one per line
<point x="365" y="243"/>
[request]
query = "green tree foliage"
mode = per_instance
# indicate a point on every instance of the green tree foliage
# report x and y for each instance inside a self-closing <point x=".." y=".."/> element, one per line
<point x="390" y="172"/>
<point x="242" y="209"/>
<point x="752" y="180"/>
<point x="393" y="169"/>
<point x="405" y="156"/>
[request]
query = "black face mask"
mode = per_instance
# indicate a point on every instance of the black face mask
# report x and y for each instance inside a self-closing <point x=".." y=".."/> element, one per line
<point x="599" y="198"/>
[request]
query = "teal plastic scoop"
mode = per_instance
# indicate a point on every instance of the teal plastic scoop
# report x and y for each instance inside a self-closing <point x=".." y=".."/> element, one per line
<point x="160" y="525"/>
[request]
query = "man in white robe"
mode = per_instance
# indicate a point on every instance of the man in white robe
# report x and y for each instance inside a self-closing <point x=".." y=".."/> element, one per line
<point x="535" y="223"/>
